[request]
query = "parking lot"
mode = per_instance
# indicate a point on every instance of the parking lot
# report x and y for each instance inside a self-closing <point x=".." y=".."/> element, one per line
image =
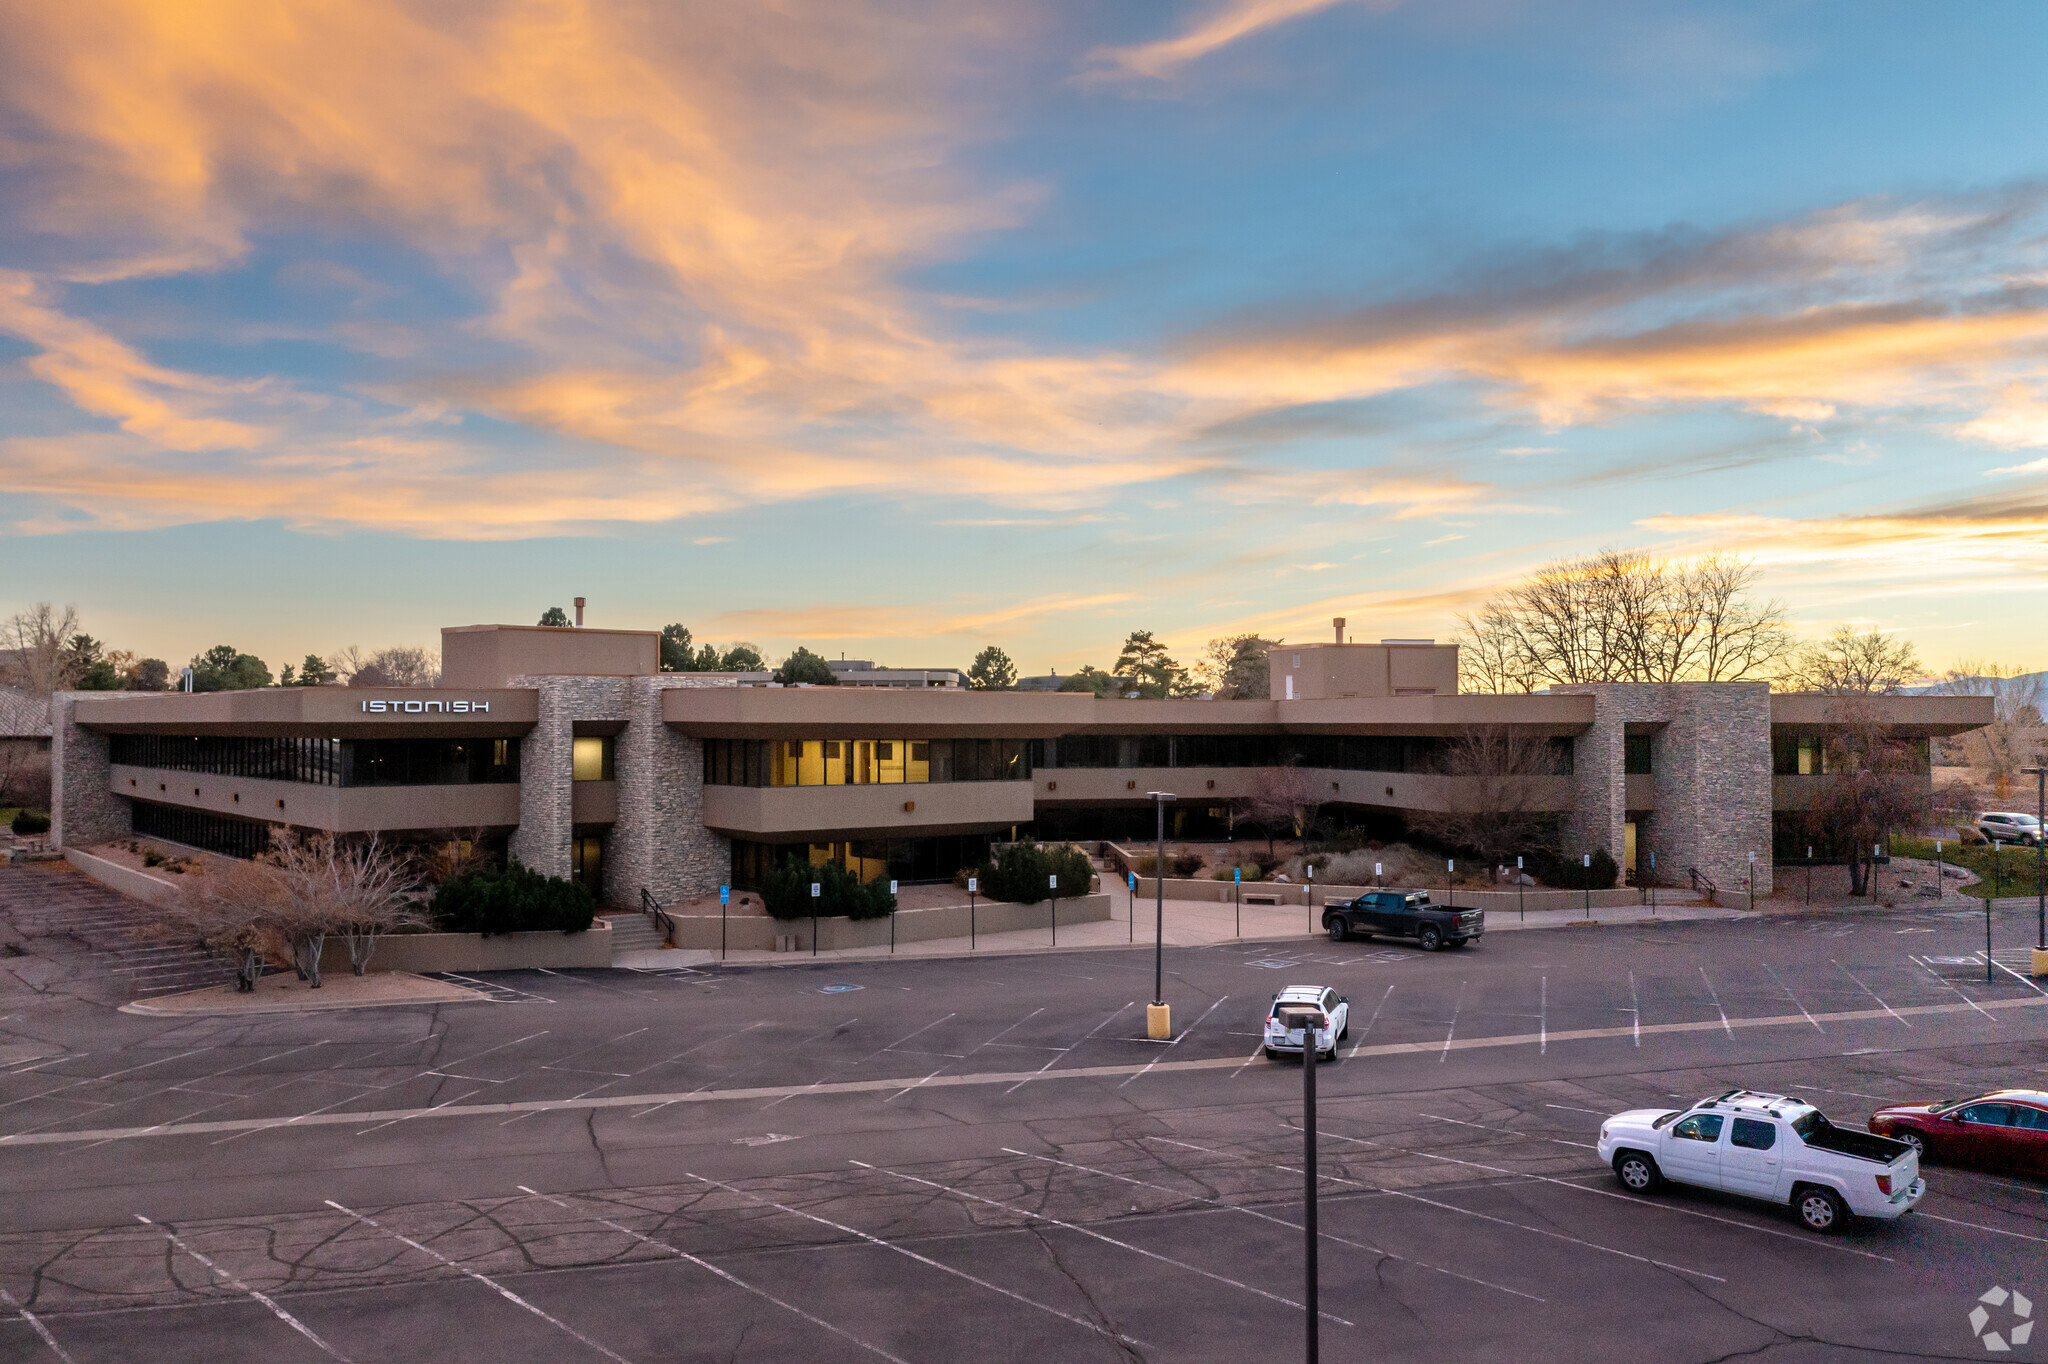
<point x="970" y="1159"/>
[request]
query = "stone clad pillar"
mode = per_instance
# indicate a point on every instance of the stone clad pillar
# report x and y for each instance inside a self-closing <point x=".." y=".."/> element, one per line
<point x="83" y="807"/>
<point x="546" y="820"/>
<point x="660" y="842"/>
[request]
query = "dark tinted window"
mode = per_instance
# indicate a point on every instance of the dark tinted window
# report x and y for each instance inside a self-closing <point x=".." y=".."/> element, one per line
<point x="1753" y="1134"/>
<point x="2031" y="1118"/>
<point x="1700" y="1127"/>
<point x="1992" y="1115"/>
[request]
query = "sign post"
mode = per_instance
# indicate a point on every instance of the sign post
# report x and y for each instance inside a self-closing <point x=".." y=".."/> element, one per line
<point x="892" y="920"/>
<point x="1052" y="883"/>
<point x="1521" y="906"/>
<point x="1309" y="894"/>
<point x="973" y="884"/>
<point x="1653" y="885"/>
<point x="1587" y="863"/>
<point x="1450" y="883"/>
<point x="724" y="899"/>
<point x="1131" y="917"/>
<point x="816" y="891"/>
<point x="1752" y="883"/>
<point x="1237" y="894"/>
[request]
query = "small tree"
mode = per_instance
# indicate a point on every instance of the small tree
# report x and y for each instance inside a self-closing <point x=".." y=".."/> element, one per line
<point x="1875" y="782"/>
<point x="152" y="674"/>
<point x="802" y="667"/>
<point x="554" y="616"/>
<point x="234" y="907"/>
<point x="741" y="658"/>
<point x="1852" y="662"/>
<point x="677" y="653"/>
<point x="1493" y="801"/>
<point x="359" y="891"/>
<point x="1236" y="669"/>
<point x="1289" y="797"/>
<point x="992" y="670"/>
<point x="786" y="892"/>
<point x="1022" y="873"/>
<point x="1089" y="678"/>
<point x="226" y="668"/>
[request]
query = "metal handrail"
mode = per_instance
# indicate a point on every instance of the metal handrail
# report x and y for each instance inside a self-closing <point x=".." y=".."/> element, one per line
<point x="651" y="907"/>
<point x="1703" y="884"/>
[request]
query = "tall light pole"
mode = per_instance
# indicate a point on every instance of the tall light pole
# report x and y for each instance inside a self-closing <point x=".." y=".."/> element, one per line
<point x="1159" y="1018"/>
<point x="2040" y="962"/>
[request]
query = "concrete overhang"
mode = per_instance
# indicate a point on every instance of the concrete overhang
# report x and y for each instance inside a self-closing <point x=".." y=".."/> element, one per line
<point x="334" y="809"/>
<point x="315" y="712"/>
<point x="1538" y="713"/>
<point x="870" y="713"/>
<point x="905" y="810"/>
<point x="1910" y="716"/>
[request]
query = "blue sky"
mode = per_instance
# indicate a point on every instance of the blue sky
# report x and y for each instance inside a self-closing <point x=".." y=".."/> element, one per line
<point x="900" y="330"/>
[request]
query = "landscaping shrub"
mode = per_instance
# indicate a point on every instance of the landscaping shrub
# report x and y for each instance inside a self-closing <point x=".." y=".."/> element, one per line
<point x="28" y="822"/>
<point x="1251" y="873"/>
<point x="786" y="891"/>
<point x="1146" y="866"/>
<point x="1187" y="863"/>
<point x="512" y="899"/>
<point x="1573" y="875"/>
<point x="1021" y="870"/>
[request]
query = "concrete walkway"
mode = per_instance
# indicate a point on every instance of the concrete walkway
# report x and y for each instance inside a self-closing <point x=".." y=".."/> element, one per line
<point x="1188" y="923"/>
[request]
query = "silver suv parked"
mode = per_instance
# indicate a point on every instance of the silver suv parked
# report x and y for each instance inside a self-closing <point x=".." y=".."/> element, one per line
<point x="2009" y="827"/>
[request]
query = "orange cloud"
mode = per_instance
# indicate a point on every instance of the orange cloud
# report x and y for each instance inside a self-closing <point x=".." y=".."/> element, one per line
<point x="1235" y="21"/>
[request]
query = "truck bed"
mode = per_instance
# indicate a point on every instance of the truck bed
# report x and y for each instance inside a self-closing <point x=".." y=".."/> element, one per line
<point x="1847" y="1141"/>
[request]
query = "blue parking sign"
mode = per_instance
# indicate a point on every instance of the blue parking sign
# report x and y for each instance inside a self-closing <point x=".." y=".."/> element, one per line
<point x="725" y="895"/>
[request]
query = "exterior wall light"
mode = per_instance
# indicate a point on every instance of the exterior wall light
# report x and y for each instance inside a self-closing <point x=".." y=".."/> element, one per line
<point x="909" y="807"/>
<point x="1212" y="783"/>
<point x="1052" y="786"/>
<point x="1130" y="786"/>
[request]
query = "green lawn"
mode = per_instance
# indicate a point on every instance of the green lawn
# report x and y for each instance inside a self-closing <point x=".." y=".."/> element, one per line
<point x="2016" y="866"/>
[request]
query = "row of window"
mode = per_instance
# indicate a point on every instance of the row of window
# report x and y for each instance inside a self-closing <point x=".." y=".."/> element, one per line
<point x="1341" y="752"/>
<point x="325" y="762"/>
<point x="860" y="762"/>
<point x="199" y="829"/>
<point x="1806" y="755"/>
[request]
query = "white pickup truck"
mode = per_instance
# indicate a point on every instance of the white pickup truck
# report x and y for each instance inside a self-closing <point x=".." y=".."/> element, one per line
<point x="1766" y="1146"/>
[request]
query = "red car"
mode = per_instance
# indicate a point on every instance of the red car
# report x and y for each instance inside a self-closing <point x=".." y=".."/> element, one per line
<point x="2006" y="1129"/>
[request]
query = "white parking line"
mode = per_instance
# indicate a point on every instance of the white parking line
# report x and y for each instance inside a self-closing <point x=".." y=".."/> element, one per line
<point x="1794" y="998"/>
<point x="240" y="1287"/>
<point x="1509" y="1131"/>
<point x="1868" y="991"/>
<point x="2017" y="976"/>
<point x="1635" y="1017"/>
<point x="1995" y="1231"/>
<point x="35" y="1325"/>
<point x="706" y="1265"/>
<point x="900" y="1041"/>
<point x="1177" y="1041"/>
<point x="1457" y="1005"/>
<point x="1928" y="967"/>
<point x="909" y="1254"/>
<point x="1609" y="1193"/>
<point x="1542" y="1017"/>
<point x="507" y="1294"/>
<point x="1374" y="1019"/>
<point x="1471" y="1212"/>
<point x="1106" y="1240"/>
<point x="1064" y="1050"/>
<point x="97" y="1079"/>
<point x="1715" y="996"/>
<point x="1277" y="1221"/>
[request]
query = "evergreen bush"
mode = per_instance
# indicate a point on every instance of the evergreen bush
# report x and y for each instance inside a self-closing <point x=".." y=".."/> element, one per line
<point x="28" y="822"/>
<point x="512" y="899"/>
<point x="786" y="891"/>
<point x="1572" y="874"/>
<point x="1021" y="873"/>
<point x="1187" y="863"/>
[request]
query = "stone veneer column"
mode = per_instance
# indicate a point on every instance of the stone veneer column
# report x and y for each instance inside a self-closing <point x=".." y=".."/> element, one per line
<point x="541" y="841"/>
<point x="83" y="807"/>
<point x="660" y="841"/>
<point x="1599" y="789"/>
<point x="1712" y="762"/>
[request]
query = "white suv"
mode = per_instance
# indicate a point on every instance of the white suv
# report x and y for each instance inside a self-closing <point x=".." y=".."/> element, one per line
<point x="2009" y="826"/>
<point x="1301" y="1009"/>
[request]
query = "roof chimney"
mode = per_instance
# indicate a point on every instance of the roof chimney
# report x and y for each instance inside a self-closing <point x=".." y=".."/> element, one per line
<point x="1337" y="621"/>
<point x="579" y="613"/>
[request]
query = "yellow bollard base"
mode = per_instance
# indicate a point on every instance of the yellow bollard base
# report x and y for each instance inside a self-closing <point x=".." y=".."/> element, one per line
<point x="2040" y="963"/>
<point x="1159" y="1021"/>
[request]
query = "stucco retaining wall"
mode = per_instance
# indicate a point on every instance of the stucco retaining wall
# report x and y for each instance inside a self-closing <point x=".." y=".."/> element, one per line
<point x="139" y="884"/>
<point x="1291" y="893"/>
<point x="425" y="952"/>
<point x="757" y="932"/>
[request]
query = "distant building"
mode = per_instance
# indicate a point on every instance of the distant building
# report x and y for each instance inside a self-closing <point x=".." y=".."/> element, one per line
<point x="861" y="672"/>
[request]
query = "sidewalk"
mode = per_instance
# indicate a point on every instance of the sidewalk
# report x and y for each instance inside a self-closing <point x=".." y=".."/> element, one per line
<point x="1188" y="923"/>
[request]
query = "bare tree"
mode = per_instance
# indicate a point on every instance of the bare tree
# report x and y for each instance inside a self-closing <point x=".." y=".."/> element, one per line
<point x="1288" y="796"/>
<point x="1852" y="662"/>
<point x="1621" y="616"/>
<point x="2013" y="739"/>
<point x="1875" y="782"/>
<point x="355" y="890"/>
<point x="234" y="907"/>
<point x="37" y="644"/>
<point x="1494" y="800"/>
<point x="401" y="665"/>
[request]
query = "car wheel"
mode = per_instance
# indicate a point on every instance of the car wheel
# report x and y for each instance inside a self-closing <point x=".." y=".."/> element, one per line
<point x="1346" y="1032"/>
<point x="1916" y="1141"/>
<point x="1272" y="1055"/>
<point x="1431" y="938"/>
<point x="1637" y="1172"/>
<point x="1822" y="1211"/>
<point x="1339" y="930"/>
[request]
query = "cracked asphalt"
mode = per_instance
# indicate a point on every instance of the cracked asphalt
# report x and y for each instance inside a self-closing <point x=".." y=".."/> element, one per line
<point x="984" y="1159"/>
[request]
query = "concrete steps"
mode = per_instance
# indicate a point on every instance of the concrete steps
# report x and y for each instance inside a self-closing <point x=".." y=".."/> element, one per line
<point x="633" y="931"/>
<point x="123" y="937"/>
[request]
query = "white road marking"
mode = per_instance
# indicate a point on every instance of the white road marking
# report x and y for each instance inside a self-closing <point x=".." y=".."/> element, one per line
<point x="98" y="1079"/>
<point x="1715" y="996"/>
<point x="2017" y="976"/>
<point x="1509" y="1131"/>
<point x="1277" y="1221"/>
<point x="1178" y="1040"/>
<point x="1794" y="998"/>
<point x="1542" y="1017"/>
<point x="1635" y="1017"/>
<point x="2017" y="1235"/>
<point x="900" y="1041"/>
<point x="507" y="1294"/>
<point x="1472" y="1212"/>
<point x="909" y="1254"/>
<point x="35" y="1325"/>
<point x="1370" y="1021"/>
<point x="321" y="1117"/>
<point x="1609" y="1193"/>
<point x="706" y="1265"/>
<point x="1868" y="991"/>
<point x="1096" y="1235"/>
<point x="1929" y="969"/>
<point x="240" y="1287"/>
<point x="1456" y="1005"/>
<point x="1055" y="1060"/>
<point x="1571" y="1109"/>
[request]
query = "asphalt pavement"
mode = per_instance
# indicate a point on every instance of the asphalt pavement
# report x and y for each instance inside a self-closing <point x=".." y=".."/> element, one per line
<point x="931" y="1160"/>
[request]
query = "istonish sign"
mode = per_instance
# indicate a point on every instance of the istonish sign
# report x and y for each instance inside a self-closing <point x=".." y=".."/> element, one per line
<point x="426" y="707"/>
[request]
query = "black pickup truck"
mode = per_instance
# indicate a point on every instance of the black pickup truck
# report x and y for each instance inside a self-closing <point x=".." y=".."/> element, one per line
<point x="1404" y="914"/>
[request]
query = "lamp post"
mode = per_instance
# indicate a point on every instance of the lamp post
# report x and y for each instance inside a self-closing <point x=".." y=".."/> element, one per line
<point x="1309" y="1189"/>
<point x="892" y="919"/>
<point x="2040" y="962"/>
<point x="1989" y="901"/>
<point x="1158" y="1018"/>
<point x="1450" y="883"/>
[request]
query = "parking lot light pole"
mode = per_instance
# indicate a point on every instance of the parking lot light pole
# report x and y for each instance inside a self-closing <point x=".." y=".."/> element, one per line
<point x="1158" y="1018"/>
<point x="1989" y="901"/>
<point x="2040" y="962"/>
<point x="1309" y="1191"/>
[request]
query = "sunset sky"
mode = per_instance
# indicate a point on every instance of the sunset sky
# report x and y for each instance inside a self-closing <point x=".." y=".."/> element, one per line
<point x="898" y="329"/>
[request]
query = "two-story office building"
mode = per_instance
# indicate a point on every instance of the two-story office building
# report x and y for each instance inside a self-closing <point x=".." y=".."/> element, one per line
<point x="574" y="751"/>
